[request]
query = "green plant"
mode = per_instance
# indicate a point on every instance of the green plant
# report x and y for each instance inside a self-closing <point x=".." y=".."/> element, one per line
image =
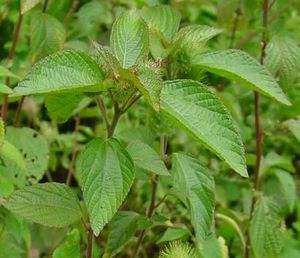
<point x="150" y="81"/>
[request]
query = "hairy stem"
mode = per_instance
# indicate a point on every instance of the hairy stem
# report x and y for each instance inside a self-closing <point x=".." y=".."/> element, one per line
<point x="258" y="131"/>
<point x="153" y="206"/>
<point x="103" y="111"/>
<point x="10" y="57"/>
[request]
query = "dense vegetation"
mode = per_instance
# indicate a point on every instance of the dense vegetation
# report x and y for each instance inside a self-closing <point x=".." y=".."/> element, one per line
<point x="149" y="128"/>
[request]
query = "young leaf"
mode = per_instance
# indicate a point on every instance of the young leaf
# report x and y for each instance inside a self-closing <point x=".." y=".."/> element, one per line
<point x="238" y="65"/>
<point x="27" y="5"/>
<point x="195" y="108"/>
<point x="163" y="20"/>
<point x="147" y="82"/>
<point x="49" y="204"/>
<point x="5" y="89"/>
<point x="265" y="229"/>
<point x="107" y="173"/>
<point x="196" y="185"/>
<point x="172" y="234"/>
<point x="147" y="158"/>
<point x="214" y="247"/>
<point x="4" y="72"/>
<point x="129" y="39"/>
<point x="64" y="71"/>
<point x="47" y="35"/>
<point x="34" y="150"/>
<point x="122" y="227"/>
<point x="70" y="248"/>
<point x="294" y="126"/>
<point x="60" y="106"/>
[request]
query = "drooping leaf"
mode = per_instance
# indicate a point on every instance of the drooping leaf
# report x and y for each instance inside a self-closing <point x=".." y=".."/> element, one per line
<point x="214" y="247"/>
<point x="265" y="229"/>
<point x="145" y="157"/>
<point x="4" y="72"/>
<point x="122" y="227"/>
<point x="283" y="59"/>
<point x="47" y="35"/>
<point x="163" y="20"/>
<point x="70" y="248"/>
<point x="27" y="5"/>
<point x="64" y="71"/>
<point x="50" y="204"/>
<point x="34" y="150"/>
<point x="4" y="89"/>
<point x="196" y="109"/>
<point x="240" y="66"/>
<point x="172" y="234"/>
<point x="107" y="173"/>
<point x="129" y="39"/>
<point x="196" y="185"/>
<point x="61" y="106"/>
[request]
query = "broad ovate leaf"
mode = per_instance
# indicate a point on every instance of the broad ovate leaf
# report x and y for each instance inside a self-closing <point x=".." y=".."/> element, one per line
<point x="49" y="204"/>
<point x="163" y="20"/>
<point x="240" y="66"/>
<point x="64" y="71"/>
<point x="28" y="146"/>
<point x="122" y="227"/>
<point x="265" y="229"/>
<point x="192" y="106"/>
<point x="107" y="173"/>
<point x="129" y="39"/>
<point x="145" y="157"/>
<point x="196" y="185"/>
<point x="47" y="35"/>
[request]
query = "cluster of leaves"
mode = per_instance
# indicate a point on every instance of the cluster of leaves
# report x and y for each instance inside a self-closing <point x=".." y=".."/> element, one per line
<point x="125" y="146"/>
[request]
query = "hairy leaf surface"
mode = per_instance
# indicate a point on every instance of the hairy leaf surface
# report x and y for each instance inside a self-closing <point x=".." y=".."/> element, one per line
<point x="129" y="39"/>
<point x="63" y="71"/>
<point x="240" y="66"/>
<point x="196" y="109"/>
<point x="49" y="204"/>
<point x="193" y="181"/>
<point x="107" y="173"/>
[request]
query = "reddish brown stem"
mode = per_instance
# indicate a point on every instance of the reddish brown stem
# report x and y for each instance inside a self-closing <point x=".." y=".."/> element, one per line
<point x="89" y="251"/>
<point x="258" y="131"/>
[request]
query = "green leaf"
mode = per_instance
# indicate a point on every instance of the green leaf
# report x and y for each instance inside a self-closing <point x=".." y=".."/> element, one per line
<point x="162" y="19"/>
<point x="27" y="5"/>
<point x="214" y="247"/>
<point x="49" y="204"/>
<point x="61" y="106"/>
<point x="70" y="248"/>
<point x="193" y="37"/>
<point x="107" y="173"/>
<point x="283" y="59"/>
<point x="122" y="227"/>
<point x="34" y="150"/>
<point x="47" y="35"/>
<point x="294" y="126"/>
<point x="4" y="89"/>
<point x="64" y="71"/>
<point x="287" y="188"/>
<point x="240" y="66"/>
<point x="10" y="153"/>
<point x="146" y="158"/>
<point x="194" y="183"/>
<point x="129" y="39"/>
<point x="172" y="234"/>
<point x="265" y="229"/>
<point x="6" y="186"/>
<point x="4" y="72"/>
<point x="196" y="109"/>
<point x="147" y="81"/>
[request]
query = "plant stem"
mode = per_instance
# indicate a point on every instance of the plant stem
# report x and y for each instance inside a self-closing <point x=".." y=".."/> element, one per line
<point x="89" y="251"/>
<point x="153" y="206"/>
<point x="102" y="108"/>
<point x="74" y="151"/>
<point x="115" y="120"/>
<point x="45" y="6"/>
<point x="258" y="131"/>
<point x="235" y="25"/>
<point x="10" y="57"/>
<point x="18" y="112"/>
